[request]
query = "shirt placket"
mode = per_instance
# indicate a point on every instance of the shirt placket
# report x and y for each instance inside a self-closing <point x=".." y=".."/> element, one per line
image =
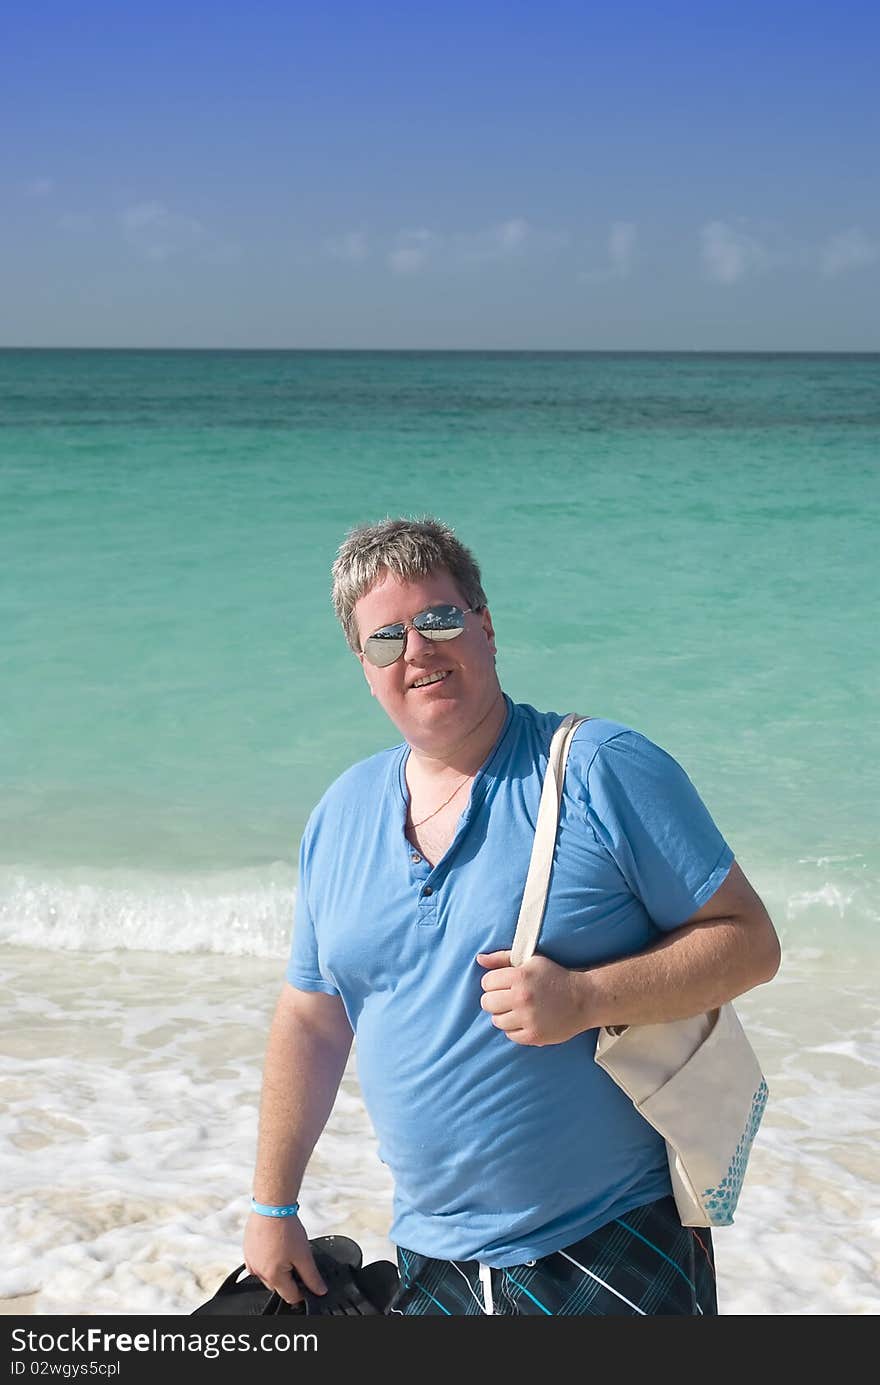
<point x="426" y="882"/>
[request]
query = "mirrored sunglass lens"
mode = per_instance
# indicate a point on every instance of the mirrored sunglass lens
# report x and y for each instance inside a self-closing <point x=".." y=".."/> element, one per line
<point x="385" y="645"/>
<point x="440" y="622"/>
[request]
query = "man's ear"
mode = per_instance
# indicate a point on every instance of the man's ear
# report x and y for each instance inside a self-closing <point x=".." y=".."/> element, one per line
<point x="488" y="628"/>
<point x="366" y="668"/>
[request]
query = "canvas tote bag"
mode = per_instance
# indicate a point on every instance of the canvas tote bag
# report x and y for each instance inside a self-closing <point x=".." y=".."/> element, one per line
<point x="697" y="1081"/>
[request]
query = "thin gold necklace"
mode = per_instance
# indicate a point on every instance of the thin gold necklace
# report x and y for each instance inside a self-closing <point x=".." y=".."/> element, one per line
<point x="443" y="804"/>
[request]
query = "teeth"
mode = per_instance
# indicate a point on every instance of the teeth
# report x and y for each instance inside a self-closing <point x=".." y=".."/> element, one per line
<point x="434" y="678"/>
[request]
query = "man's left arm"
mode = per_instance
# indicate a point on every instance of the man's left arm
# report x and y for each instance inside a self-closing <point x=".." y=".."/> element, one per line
<point x="727" y="947"/>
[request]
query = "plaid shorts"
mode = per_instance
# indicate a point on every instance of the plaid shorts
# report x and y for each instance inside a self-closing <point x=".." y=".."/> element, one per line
<point x="644" y="1262"/>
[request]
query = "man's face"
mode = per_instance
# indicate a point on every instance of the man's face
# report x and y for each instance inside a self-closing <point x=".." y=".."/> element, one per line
<point x="440" y="714"/>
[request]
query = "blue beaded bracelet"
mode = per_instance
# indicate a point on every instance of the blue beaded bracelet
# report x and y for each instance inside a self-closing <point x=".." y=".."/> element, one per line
<point x="268" y="1209"/>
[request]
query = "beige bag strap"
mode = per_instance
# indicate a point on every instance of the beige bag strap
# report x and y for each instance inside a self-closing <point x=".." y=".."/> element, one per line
<point x="531" y="912"/>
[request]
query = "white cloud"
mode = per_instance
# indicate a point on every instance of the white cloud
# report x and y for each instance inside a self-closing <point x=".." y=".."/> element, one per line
<point x="512" y="235"/>
<point x="351" y="246"/>
<point x="502" y="241"/>
<point x="621" y="249"/>
<point x="506" y="240"/>
<point x="732" y="253"/>
<point x="848" y="250"/>
<point x="39" y="187"/>
<point x="728" y="254"/>
<point x="412" y="250"/>
<point x="157" y="233"/>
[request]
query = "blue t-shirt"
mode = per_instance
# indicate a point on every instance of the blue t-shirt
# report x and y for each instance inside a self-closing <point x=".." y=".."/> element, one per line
<point x="499" y="1152"/>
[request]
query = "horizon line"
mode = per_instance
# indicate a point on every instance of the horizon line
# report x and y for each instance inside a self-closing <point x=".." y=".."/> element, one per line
<point x="480" y="350"/>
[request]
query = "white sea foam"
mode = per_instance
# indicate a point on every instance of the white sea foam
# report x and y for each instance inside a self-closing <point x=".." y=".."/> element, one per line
<point x="245" y="913"/>
<point x="249" y="912"/>
<point x="128" y="1108"/>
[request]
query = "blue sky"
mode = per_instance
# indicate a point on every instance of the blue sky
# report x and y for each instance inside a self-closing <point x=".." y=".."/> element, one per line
<point x="483" y="175"/>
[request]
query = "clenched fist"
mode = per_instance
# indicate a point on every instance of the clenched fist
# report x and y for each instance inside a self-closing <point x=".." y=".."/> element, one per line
<point x="537" y="1003"/>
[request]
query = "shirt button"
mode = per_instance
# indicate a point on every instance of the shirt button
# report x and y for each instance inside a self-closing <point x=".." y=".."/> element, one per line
<point x="427" y="890"/>
<point x="416" y="858"/>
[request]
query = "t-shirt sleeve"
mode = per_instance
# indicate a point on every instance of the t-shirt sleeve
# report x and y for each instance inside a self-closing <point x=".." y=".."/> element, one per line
<point x="648" y="815"/>
<point x="303" y="969"/>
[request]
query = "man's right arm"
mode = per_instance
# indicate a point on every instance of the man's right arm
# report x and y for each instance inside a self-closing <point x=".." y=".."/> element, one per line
<point x="309" y="1042"/>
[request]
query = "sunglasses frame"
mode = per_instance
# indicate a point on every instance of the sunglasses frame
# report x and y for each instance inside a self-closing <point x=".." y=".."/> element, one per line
<point x="439" y="636"/>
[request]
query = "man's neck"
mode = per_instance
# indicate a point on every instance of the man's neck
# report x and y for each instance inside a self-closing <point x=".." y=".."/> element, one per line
<point x="463" y="756"/>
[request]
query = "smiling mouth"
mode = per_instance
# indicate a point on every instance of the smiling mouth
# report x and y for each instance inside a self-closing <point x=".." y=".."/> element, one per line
<point x="430" y="679"/>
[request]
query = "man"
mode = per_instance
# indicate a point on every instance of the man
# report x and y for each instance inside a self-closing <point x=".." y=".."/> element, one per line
<point x="524" y="1180"/>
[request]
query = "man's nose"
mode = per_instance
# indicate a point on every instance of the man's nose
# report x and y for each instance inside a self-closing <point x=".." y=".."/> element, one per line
<point x="416" y="644"/>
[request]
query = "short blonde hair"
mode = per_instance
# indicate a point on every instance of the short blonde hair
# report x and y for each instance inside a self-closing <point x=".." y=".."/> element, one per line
<point x="407" y="548"/>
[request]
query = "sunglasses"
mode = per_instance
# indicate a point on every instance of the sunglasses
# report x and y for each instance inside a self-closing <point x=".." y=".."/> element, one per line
<point x="386" y="645"/>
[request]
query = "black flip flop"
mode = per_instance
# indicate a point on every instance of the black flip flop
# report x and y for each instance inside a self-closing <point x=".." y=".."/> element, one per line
<point x="353" y="1290"/>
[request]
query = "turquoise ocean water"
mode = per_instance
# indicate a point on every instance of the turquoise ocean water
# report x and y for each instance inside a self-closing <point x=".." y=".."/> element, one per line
<point x="685" y="543"/>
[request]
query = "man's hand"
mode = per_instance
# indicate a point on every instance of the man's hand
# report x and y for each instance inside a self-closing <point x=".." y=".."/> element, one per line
<point x="275" y="1248"/>
<point x="537" y="1003"/>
